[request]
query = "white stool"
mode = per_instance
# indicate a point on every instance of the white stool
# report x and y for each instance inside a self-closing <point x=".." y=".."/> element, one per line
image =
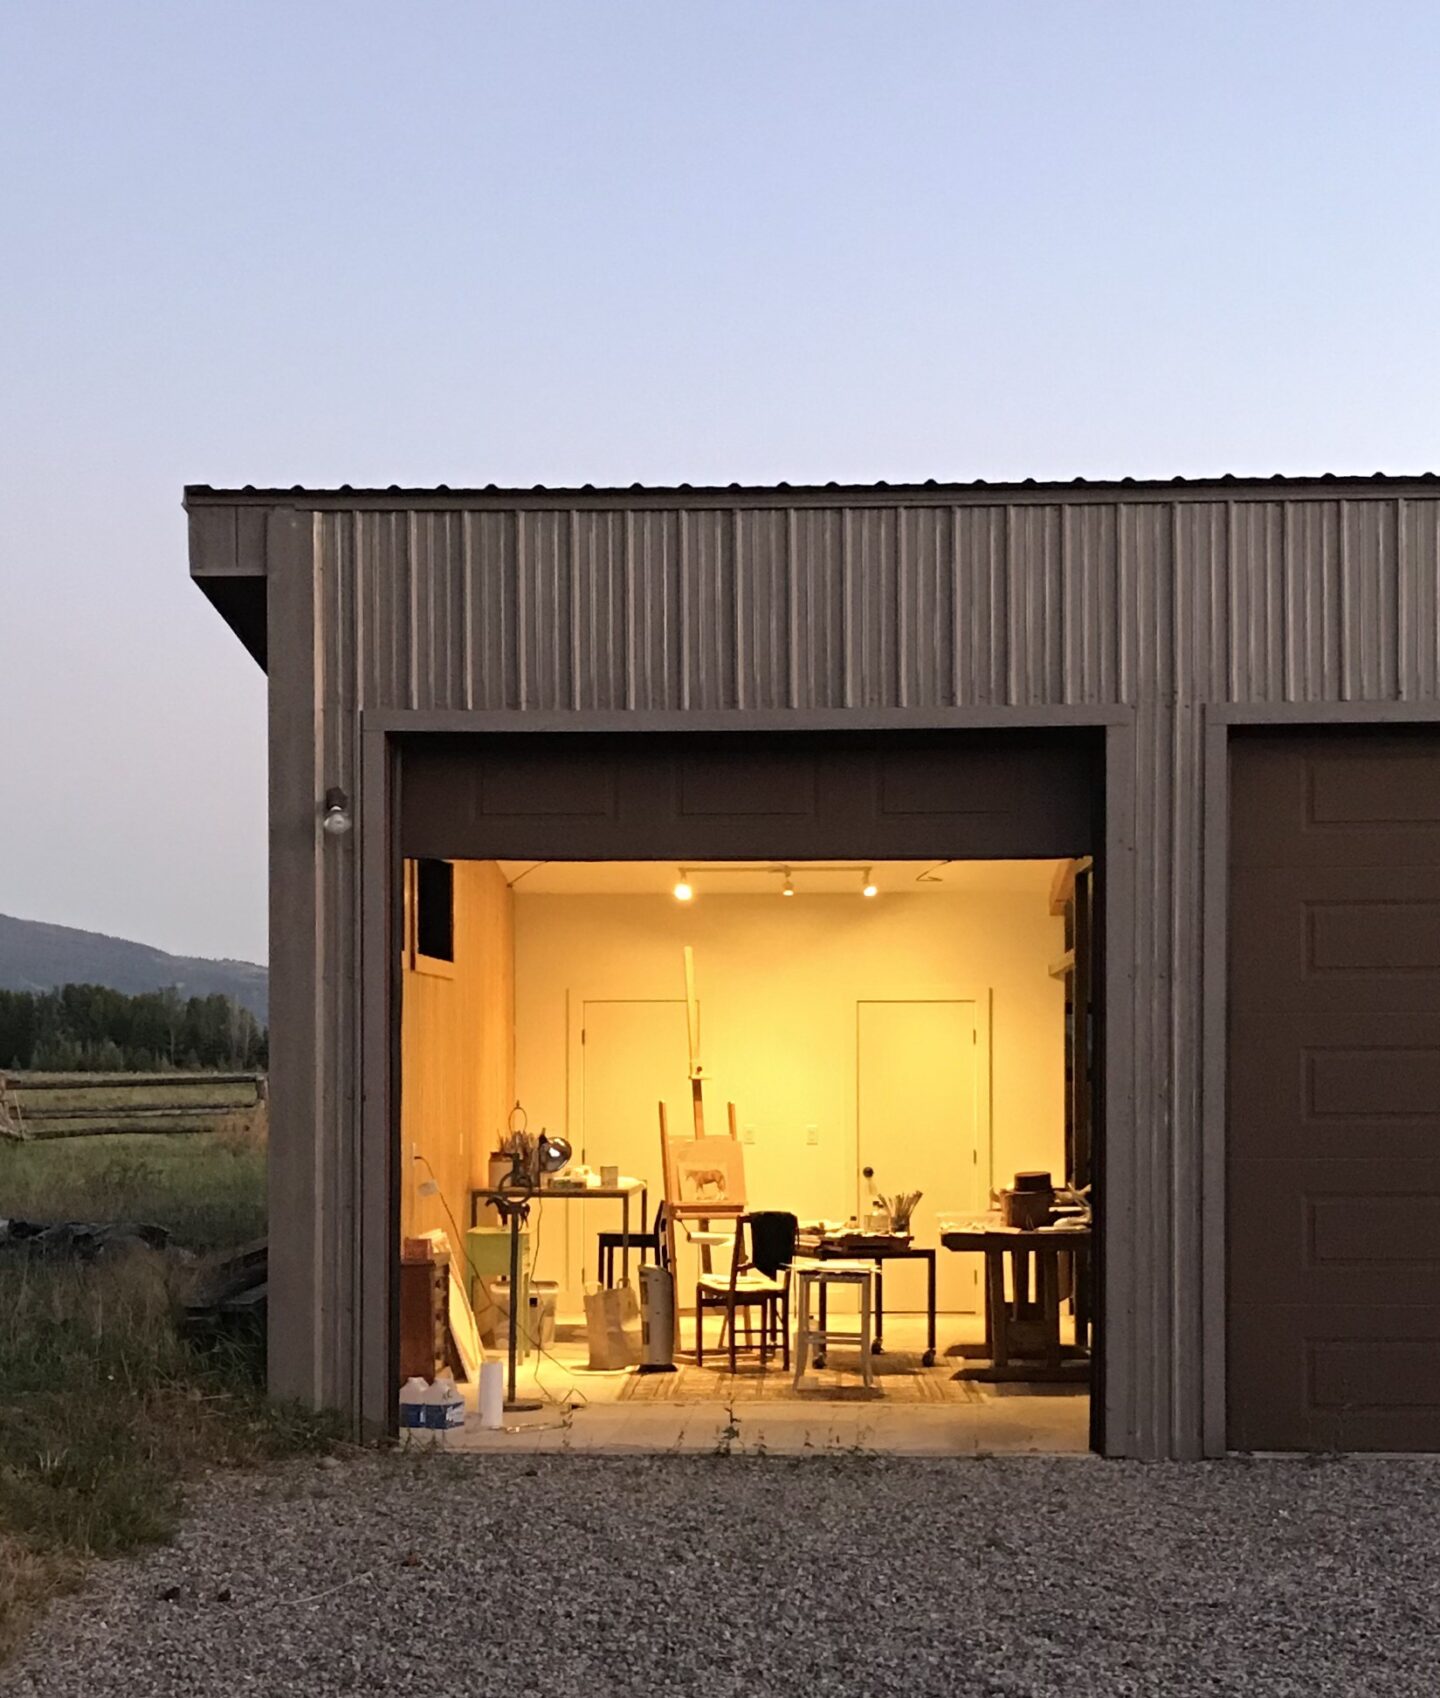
<point x="807" y="1272"/>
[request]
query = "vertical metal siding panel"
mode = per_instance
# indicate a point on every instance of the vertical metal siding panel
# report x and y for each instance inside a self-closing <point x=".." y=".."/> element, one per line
<point x="438" y="609"/>
<point x="492" y="645"/>
<point x="1311" y="586"/>
<point x="1088" y="552"/>
<point x="981" y="605"/>
<point x="1035" y="606"/>
<point x="1144" y="568"/>
<point x="817" y="570"/>
<point x="656" y="632"/>
<point x="1368" y="602"/>
<point x="708" y="579"/>
<point x="1257" y="550"/>
<point x="926" y="613"/>
<point x="383" y="567"/>
<point x="599" y="617"/>
<point x="763" y="589"/>
<point x="337" y="702"/>
<point x="544" y="613"/>
<point x="872" y="569"/>
<point x="1202" y="580"/>
<point x="1418" y="569"/>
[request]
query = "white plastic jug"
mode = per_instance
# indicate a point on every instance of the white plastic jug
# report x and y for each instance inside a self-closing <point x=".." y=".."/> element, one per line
<point x="413" y="1395"/>
<point x="444" y="1406"/>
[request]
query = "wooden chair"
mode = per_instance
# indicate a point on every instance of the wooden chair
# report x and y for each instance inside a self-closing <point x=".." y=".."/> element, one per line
<point x="612" y="1244"/>
<point x="746" y="1287"/>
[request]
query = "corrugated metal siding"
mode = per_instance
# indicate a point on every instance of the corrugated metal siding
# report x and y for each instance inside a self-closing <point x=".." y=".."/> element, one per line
<point x="1159" y="606"/>
<point x="1031" y="605"/>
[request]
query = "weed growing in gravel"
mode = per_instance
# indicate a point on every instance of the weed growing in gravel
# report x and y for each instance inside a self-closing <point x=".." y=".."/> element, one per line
<point x="104" y="1411"/>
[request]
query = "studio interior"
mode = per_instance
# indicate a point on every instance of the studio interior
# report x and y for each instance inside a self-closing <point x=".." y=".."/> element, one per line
<point x="776" y="1133"/>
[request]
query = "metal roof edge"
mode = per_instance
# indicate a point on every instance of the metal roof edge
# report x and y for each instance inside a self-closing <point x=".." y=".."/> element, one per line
<point x="930" y="490"/>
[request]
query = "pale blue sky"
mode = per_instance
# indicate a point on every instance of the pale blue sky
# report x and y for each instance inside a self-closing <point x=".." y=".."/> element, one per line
<point x="693" y="240"/>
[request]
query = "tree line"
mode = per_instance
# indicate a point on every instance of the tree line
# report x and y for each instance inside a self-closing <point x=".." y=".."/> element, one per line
<point x="93" y="1029"/>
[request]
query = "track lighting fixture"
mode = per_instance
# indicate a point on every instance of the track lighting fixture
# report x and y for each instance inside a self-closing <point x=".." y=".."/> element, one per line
<point x="683" y="890"/>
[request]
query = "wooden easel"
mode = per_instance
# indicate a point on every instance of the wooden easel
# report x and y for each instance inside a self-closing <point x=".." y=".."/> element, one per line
<point x="700" y="1213"/>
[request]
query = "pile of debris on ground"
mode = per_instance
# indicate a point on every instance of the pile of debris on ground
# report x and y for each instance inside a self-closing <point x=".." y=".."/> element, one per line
<point x="229" y="1293"/>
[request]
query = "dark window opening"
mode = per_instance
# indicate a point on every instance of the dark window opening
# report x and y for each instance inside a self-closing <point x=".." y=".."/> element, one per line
<point x="435" y="910"/>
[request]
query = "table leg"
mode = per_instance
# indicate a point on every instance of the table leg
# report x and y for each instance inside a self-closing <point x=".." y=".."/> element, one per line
<point x="644" y="1210"/>
<point x="824" y="1321"/>
<point x="625" y="1239"/>
<point x="995" y="1308"/>
<point x="929" y="1356"/>
<point x="878" y="1343"/>
<point x="1047" y="1282"/>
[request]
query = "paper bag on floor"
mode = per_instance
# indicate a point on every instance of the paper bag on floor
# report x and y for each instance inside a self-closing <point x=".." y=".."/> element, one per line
<point x="612" y="1326"/>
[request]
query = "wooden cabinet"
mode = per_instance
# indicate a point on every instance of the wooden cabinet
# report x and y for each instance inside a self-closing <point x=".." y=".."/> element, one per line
<point x="424" y="1311"/>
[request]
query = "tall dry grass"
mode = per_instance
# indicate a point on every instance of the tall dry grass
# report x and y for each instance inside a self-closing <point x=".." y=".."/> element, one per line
<point x="106" y="1409"/>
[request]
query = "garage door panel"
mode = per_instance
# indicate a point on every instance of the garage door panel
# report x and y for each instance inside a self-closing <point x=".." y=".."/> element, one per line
<point x="1338" y="1232"/>
<point x="1322" y="1377"/>
<point x="1297" y="803"/>
<point x="999" y="795"/>
<point x="1328" y="1085"/>
<point x="1333" y="1167"/>
<point x="1337" y="938"/>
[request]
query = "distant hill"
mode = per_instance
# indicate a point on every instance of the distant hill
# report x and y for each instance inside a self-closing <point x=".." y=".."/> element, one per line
<point x="35" y="956"/>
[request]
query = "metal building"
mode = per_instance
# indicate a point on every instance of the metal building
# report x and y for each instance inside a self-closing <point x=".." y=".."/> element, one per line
<point x="1232" y="685"/>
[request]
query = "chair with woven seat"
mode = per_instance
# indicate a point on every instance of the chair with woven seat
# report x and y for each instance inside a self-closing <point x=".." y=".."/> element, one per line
<point x="759" y="1278"/>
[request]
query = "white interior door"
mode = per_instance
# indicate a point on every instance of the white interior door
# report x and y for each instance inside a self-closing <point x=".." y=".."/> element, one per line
<point x="918" y="1127"/>
<point x="632" y="1055"/>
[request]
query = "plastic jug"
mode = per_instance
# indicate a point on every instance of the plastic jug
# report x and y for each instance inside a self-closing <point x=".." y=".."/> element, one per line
<point x="444" y="1406"/>
<point x="413" y="1395"/>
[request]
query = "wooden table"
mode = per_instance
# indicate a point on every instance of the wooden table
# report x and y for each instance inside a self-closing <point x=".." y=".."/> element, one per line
<point x="621" y="1193"/>
<point x="850" y="1251"/>
<point x="1003" y="1320"/>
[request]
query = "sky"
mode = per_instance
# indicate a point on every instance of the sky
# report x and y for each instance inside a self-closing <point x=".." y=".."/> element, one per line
<point x="677" y="240"/>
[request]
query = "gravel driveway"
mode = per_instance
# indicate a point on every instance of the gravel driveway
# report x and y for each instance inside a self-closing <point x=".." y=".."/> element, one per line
<point x="559" y="1575"/>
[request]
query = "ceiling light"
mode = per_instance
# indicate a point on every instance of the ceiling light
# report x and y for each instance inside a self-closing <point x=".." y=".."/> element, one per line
<point x="683" y="891"/>
<point x="869" y="888"/>
<point x="789" y="889"/>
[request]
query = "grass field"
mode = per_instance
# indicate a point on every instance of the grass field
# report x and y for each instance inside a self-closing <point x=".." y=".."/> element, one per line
<point x="207" y="1188"/>
<point x="105" y="1409"/>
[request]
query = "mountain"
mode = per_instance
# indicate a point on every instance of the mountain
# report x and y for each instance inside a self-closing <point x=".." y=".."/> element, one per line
<point x="37" y="956"/>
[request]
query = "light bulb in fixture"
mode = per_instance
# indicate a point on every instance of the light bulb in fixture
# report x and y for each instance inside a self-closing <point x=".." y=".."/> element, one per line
<point x="336" y="821"/>
<point x="683" y="891"/>
<point x="869" y="888"/>
<point x="789" y="889"/>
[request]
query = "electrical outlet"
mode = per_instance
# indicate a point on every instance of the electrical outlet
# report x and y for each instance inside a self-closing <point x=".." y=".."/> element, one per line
<point x="812" y="1134"/>
<point x="747" y="1134"/>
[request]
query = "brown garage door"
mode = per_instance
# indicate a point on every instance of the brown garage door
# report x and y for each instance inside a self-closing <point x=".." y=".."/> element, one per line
<point x="1334" y="1093"/>
<point x="686" y="795"/>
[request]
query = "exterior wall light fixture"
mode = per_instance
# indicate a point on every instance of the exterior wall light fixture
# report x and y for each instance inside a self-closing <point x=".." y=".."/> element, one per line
<point x="869" y="887"/>
<point x="336" y="820"/>
<point x="683" y="890"/>
<point x="789" y="889"/>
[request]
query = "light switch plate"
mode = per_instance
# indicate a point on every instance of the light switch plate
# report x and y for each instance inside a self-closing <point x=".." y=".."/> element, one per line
<point x="812" y="1134"/>
<point x="747" y="1134"/>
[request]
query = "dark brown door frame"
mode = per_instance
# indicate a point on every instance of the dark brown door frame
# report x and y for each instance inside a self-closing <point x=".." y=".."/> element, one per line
<point x="376" y="1190"/>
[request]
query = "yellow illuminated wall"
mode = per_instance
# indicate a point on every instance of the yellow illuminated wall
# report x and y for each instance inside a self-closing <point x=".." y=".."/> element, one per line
<point x="779" y="984"/>
<point x="457" y="1053"/>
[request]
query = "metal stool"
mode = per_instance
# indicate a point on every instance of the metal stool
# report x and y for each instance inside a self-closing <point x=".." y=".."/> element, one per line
<point x="806" y="1274"/>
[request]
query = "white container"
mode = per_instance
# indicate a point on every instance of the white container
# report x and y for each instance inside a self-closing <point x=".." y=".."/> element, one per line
<point x="492" y="1394"/>
<point x="450" y="1403"/>
<point x="413" y="1396"/>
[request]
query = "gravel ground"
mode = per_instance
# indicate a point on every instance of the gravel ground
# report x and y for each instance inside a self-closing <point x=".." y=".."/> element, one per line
<point x="739" y="1576"/>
